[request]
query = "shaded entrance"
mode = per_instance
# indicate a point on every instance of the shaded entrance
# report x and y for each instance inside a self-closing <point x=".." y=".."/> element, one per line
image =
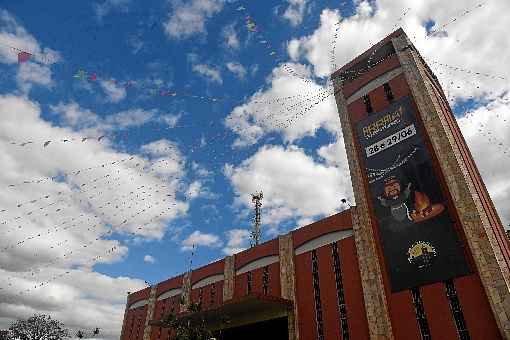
<point x="274" y="329"/>
<point x="254" y="316"/>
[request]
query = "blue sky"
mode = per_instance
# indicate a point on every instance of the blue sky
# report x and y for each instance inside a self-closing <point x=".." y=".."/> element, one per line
<point x="104" y="45"/>
<point x="232" y="121"/>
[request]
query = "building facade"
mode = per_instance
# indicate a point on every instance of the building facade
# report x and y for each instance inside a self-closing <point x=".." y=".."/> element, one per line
<point x="422" y="255"/>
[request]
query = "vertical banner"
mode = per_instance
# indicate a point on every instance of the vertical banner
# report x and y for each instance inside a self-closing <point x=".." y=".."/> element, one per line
<point x="419" y="242"/>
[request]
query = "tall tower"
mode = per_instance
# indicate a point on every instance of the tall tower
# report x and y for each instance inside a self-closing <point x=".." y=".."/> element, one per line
<point x="433" y="255"/>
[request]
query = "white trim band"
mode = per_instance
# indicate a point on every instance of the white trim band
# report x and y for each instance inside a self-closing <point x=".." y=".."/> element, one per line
<point x="374" y="83"/>
<point x="138" y="304"/>
<point x="169" y="293"/>
<point x="208" y="280"/>
<point x="323" y="240"/>
<point x="258" y="263"/>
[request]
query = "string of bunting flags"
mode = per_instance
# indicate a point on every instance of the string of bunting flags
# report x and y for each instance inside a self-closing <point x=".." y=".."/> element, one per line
<point x="309" y="101"/>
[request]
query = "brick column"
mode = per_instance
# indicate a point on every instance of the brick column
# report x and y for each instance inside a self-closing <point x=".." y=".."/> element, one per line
<point x="287" y="281"/>
<point x="492" y="269"/>
<point x="186" y="292"/>
<point x="376" y="305"/>
<point x="150" y="313"/>
<point x="229" y="274"/>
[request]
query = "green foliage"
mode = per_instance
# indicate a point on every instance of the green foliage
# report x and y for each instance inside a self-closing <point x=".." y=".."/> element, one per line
<point x="185" y="328"/>
<point x="38" y="327"/>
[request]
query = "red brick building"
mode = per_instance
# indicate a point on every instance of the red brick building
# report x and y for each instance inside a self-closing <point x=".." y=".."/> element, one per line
<point x="423" y="255"/>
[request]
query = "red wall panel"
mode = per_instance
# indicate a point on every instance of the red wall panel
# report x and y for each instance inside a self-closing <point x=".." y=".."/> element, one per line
<point x="355" y="304"/>
<point x="139" y="295"/>
<point x="335" y="222"/>
<point x="403" y="316"/>
<point x="208" y="270"/>
<point x="477" y="312"/>
<point x="304" y="297"/>
<point x="378" y="99"/>
<point x="172" y="283"/>
<point x="136" y="323"/>
<point x="207" y="302"/>
<point x="265" y="249"/>
<point x="438" y="312"/>
<point x="241" y="285"/>
<point x="274" y="280"/>
<point x="329" y="300"/>
<point x="241" y="281"/>
<point x="391" y="63"/>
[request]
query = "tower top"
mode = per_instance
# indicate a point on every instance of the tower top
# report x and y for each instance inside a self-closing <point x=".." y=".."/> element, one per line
<point x="368" y="59"/>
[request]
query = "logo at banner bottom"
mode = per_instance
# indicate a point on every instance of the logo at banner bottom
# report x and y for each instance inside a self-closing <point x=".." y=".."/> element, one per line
<point x="421" y="254"/>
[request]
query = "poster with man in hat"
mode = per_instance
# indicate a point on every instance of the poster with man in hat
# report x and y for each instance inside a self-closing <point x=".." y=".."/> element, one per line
<point x="418" y="235"/>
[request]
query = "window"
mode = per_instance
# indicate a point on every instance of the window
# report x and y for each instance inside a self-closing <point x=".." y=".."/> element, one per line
<point x="213" y="294"/>
<point x="317" y="296"/>
<point x="368" y="104"/>
<point x="265" y="280"/>
<point x="340" y="291"/>
<point x="421" y="317"/>
<point x="458" y="315"/>
<point x="388" y="92"/>
<point x="249" y="282"/>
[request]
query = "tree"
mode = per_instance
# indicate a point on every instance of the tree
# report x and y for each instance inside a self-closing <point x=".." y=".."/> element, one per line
<point x="187" y="329"/>
<point x="4" y="334"/>
<point x="38" y="327"/>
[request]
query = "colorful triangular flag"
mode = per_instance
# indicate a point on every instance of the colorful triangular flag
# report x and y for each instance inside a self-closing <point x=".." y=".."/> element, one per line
<point x="81" y="74"/>
<point x="23" y="57"/>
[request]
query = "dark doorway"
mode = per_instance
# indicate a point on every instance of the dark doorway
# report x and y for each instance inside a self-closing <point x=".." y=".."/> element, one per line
<point x="275" y="329"/>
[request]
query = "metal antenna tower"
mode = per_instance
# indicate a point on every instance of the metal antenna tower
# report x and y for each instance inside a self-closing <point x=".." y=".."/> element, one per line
<point x="255" y="233"/>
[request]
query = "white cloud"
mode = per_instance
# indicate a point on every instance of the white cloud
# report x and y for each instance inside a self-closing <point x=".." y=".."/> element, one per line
<point x="209" y="72"/>
<point x="114" y="93"/>
<point x="194" y="189"/>
<point x="164" y="149"/>
<point x="254" y="69"/>
<point x="334" y="154"/>
<point x="487" y="132"/>
<point x="72" y="115"/>
<point x="198" y="238"/>
<point x="237" y="69"/>
<point x="290" y="106"/>
<point x="13" y="39"/>
<point x="77" y="222"/>
<point x="230" y="35"/>
<point x="463" y="44"/>
<point x="170" y="120"/>
<point x="293" y="49"/>
<point x="129" y="118"/>
<point x="188" y="17"/>
<point x="237" y="241"/>
<point x="199" y="170"/>
<point x="102" y="9"/>
<point x="294" y="13"/>
<point x="101" y="298"/>
<point x="149" y="259"/>
<point x="288" y="178"/>
<point x="31" y="73"/>
<point x="12" y="34"/>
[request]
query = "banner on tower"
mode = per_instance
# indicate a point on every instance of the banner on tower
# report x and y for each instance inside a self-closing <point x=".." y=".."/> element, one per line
<point x="419" y="242"/>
